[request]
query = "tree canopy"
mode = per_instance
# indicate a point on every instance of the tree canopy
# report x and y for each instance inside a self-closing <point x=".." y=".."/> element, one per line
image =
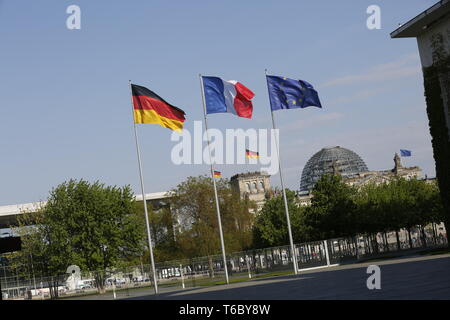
<point x="90" y="225"/>
<point x="332" y="211"/>
<point x="195" y="208"/>
<point x="270" y="228"/>
<point x="340" y="210"/>
<point x="100" y="227"/>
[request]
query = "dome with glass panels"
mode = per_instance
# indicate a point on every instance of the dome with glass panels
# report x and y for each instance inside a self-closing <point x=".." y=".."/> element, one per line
<point x="330" y="160"/>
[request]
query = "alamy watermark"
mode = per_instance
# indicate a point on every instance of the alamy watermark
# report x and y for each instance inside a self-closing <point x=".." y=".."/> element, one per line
<point x="374" y="20"/>
<point x="73" y="22"/>
<point x="226" y="149"/>
<point x="374" y="281"/>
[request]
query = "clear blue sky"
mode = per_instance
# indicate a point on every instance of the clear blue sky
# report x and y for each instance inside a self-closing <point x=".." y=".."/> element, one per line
<point x="65" y="105"/>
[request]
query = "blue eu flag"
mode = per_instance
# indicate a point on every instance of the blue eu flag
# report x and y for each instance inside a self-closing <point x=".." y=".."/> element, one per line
<point x="405" y="153"/>
<point x="285" y="93"/>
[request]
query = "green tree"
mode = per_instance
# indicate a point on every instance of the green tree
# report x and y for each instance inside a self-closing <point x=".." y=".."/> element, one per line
<point x="195" y="207"/>
<point x="381" y="208"/>
<point x="90" y="225"/>
<point x="32" y="258"/>
<point x="398" y="204"/>
<point x="332" y="209"/>
<point x="422" y="204"/>
<point x="163" y="227"/>
<point x="270" y="228"/>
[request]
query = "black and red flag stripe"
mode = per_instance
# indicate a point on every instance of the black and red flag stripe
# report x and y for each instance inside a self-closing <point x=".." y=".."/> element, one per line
<point x="151" y="108"/>
<point x="251" y="154"/>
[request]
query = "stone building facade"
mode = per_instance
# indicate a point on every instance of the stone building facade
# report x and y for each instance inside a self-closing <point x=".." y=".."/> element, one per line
<point x="371" y="177"/>
<point x="378" y="177"/>
<point x="431" y="28"/>
<point x="252" y="185"/>
<point x="256" y="185"/>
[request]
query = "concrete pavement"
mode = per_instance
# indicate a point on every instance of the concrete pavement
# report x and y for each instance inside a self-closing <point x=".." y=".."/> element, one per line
<point x="407" y="278"/>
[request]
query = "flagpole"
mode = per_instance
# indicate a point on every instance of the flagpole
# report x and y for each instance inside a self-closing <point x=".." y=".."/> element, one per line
<point x="144" y="199"/>
<point x="294" y="257"/>
<point x="214" y="183"/>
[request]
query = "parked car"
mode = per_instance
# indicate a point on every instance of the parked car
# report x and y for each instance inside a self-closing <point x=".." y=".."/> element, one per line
<point x="115" y="281"/>
<point x="85" y="284"/>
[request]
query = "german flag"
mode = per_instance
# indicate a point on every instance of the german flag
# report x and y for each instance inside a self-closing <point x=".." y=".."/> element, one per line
<point x="217" y="174"/>
<point x="151" y="108"/>
<point x="250" y="154"/>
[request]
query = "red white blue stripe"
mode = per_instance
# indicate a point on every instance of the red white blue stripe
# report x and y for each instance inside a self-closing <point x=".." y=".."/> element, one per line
<point x="227" y="96"/>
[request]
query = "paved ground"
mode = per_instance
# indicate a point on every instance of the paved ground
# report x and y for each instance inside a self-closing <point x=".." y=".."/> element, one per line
<point x="407" y="278"/>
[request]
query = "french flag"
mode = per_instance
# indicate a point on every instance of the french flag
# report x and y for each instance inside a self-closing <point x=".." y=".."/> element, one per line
<point x="227" y="96"/>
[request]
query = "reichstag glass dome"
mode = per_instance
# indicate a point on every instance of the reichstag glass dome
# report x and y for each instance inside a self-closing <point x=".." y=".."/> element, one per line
<point x="328" y="160"/>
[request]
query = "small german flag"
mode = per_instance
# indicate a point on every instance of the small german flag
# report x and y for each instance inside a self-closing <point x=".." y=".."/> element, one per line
<point x="217" y="174"/>
<point x="251" y="155"/>
<point x="151" y="108"/>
